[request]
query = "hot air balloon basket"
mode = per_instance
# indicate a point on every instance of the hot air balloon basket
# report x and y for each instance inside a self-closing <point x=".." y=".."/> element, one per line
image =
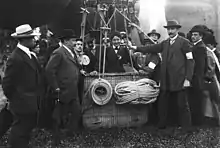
<point x="113" y="78"/>
<point x="115" y="116"/>
<point x="110" y="115"/>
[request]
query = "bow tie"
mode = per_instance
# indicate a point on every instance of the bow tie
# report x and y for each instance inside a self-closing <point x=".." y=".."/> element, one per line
<point x="116" y="48"/>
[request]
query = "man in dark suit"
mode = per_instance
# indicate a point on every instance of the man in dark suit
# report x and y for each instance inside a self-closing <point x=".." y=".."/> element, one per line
<point x="63" y="72"/>
<point x="22" y="85"/>
<point x="91" y="52"/>
<point x="176" y="73"/>
<point x="200" y="57"/>
<point x="116" y="55"/>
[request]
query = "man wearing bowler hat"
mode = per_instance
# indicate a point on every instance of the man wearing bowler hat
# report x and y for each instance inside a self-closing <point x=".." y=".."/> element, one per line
<point x="23" y="86"/>
<point x="200" y="56"/>
<point x="176" y="73"/>
<point x="63" y="72"/>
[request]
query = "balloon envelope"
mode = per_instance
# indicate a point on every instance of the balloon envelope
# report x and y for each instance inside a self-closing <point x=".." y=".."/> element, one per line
<point x="58" y="13"/>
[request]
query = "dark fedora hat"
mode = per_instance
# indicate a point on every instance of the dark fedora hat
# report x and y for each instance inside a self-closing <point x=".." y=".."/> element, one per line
<point x="67" y="34"/>
<point x="172" y="23"/>
<point x="154" y="32"/>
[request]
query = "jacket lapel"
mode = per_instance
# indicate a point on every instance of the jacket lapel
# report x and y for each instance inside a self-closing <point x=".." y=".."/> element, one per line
<point x="172" y="48"/>
<point x="69" y="56"/>
<point x="200" y="44"/>
<point x="26" y="58"/>
<point x="166" y="48"/>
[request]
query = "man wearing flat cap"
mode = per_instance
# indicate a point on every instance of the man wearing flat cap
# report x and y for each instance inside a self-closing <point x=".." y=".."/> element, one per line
<point x="63" y="72"/>
<point x="23" y="86"/>
<point x="175" y="75"/>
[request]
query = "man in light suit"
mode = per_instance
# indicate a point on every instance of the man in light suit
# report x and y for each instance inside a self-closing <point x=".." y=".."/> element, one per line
<point x="23" y="86"/>
<point x="63" y="72"/>
<point x="176" y="73"/>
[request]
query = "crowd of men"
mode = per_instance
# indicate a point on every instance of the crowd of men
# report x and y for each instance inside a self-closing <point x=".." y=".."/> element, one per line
<point x="185" y="66"/>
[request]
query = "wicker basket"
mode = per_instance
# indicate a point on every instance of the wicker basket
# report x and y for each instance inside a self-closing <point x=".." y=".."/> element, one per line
<point x="113" y="78"/>
<point x="131" y="115"/>
<point x="112" y="115"/>
<point x="100" y="116"/>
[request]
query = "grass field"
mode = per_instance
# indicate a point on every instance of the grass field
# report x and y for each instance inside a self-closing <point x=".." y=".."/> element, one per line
<point x="132" y="138"/>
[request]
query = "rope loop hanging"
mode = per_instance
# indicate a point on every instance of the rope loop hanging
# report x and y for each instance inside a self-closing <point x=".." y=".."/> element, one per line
<point x="101" y="91"/>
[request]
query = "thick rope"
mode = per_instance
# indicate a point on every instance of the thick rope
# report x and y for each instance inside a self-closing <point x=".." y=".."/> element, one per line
<point x="100" y="91"/>
<point x="100" y="53"/>
<point x="143" y="91"/>
<point x="135" y="25"/>
<point x="126" y="31"/>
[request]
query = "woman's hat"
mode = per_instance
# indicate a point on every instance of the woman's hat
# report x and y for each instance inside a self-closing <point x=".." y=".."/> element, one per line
<point x="24" y="31"/>
<point x="154" y="32"/>
<point x="172" y="23"/>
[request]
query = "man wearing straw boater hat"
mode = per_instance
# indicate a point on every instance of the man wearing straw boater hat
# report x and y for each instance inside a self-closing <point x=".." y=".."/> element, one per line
<point x="176" y="73"/>
<point x="23" y="87"/>
<point x="63" y="72"/>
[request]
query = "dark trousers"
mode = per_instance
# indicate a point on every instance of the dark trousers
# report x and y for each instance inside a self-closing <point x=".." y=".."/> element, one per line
<point x="196" y="98"/>
<point x="21" y="130"/>
<point x="6" y="120"/>
<point x="68" y="116"/>
<point x="182" y="107"/>
<point x="81" y="88"/>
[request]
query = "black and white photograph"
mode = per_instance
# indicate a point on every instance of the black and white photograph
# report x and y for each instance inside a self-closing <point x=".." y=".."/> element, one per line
<point x="109" y="74"/>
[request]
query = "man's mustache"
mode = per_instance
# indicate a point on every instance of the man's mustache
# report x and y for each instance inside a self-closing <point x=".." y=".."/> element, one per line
<point x="170" y="33"/>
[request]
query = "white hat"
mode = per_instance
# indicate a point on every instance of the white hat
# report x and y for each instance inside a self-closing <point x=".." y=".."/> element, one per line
<point x="24" y="31"/>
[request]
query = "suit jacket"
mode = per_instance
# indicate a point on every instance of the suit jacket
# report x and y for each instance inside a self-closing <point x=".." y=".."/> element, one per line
<point x="115" y="61"/>
<point x="176" y="65"/>
<point x="23" y="83"/>
<point x="154" y="73"/>
<point x="200" y="57"/>
<point x="62" y="72"/>
<point x="211" y="67"/>
<point x="217" y="53"/>
<point x="93" y="60"/>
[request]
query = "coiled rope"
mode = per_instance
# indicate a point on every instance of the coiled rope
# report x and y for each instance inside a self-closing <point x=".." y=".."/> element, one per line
<point x="101" y="91"/>
<point x="143" y="91"/>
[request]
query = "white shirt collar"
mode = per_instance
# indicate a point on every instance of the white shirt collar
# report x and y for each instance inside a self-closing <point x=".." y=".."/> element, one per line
<point x="68" y="50"/>
<point x="114" y="46"/>
<point x="25" y="49"/>
<point x="60" y="43"/>
<point x="197" y="42"/>
<point x="172" y="39"/>
<point x="34" y="54"/>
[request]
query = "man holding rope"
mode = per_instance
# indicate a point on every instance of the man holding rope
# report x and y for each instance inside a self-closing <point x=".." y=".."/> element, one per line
<point x="176" y="73"/>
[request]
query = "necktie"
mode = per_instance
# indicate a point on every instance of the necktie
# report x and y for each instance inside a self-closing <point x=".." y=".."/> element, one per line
<point x="171" y="42"/>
